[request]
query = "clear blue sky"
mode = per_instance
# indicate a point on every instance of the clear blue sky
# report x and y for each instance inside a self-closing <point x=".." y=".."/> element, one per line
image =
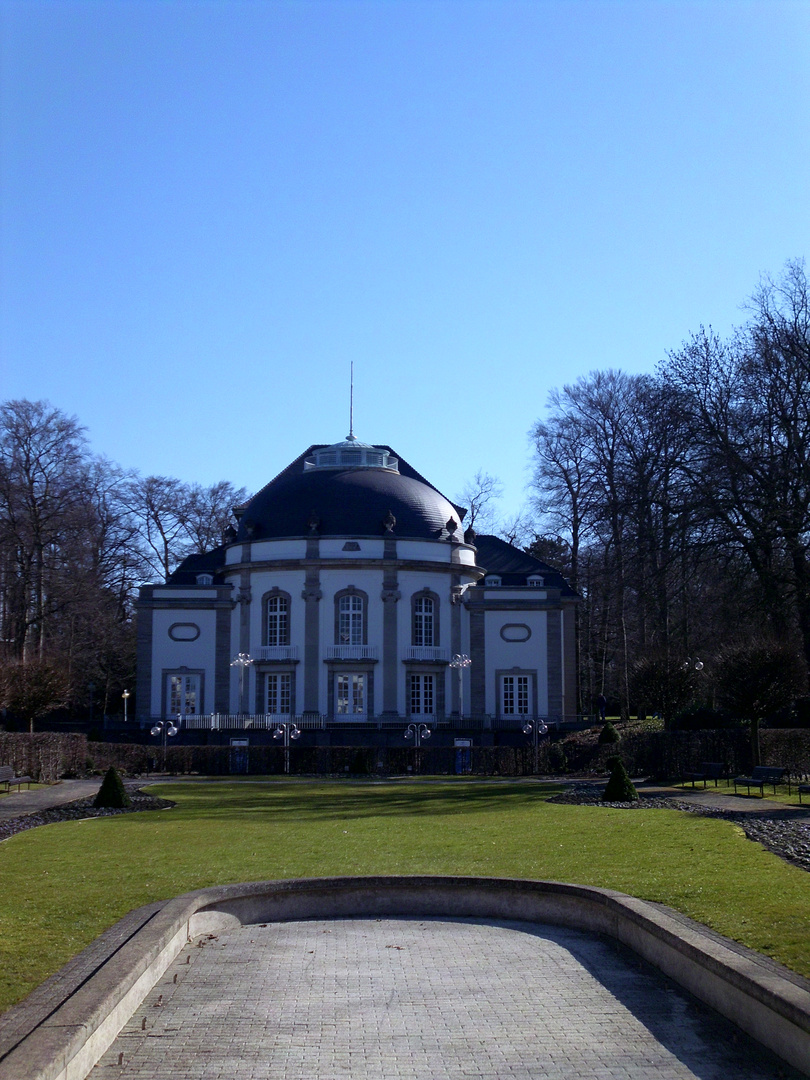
<point x="210" y="208"/>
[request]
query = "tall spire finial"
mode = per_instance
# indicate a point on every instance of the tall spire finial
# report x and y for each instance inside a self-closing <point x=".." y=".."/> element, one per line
<point x="351" y="401"/>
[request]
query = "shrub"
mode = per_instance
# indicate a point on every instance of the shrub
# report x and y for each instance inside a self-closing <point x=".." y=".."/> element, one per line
<point x="111" y="794"/>
<point x="702" y="718"/>
<point x="619" y="787"/>
<point x="755" y="679"/>
<point x="557" y="761"/>
<point x="608" y="734"/>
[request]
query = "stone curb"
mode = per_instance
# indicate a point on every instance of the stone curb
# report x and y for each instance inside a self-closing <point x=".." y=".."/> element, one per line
<point x="64" y="1027"/>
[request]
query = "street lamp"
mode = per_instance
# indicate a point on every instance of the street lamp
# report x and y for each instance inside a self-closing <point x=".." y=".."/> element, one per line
<point x="164" y="728"/>
<point x="242" y="661"/>
<point x="535" y="728"/>
<point x="698" y="664"/>
<point x="125" y="696"/>
<point x="417" y="732"/>
<point x="459" y="662"/>
<point x="287" y="732"/>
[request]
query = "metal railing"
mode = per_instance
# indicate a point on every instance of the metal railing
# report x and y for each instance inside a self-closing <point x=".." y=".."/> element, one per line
<point x="427" y="652"/>
<point x="276" y="652"/>
<point x="352" y="652"/>
<point x="321" y="722"/>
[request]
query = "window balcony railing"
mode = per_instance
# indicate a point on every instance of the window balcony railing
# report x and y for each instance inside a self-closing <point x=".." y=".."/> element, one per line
<point x="427" y="652"/>
<point x="276" y="652"/>
<point x="351" y="652"/>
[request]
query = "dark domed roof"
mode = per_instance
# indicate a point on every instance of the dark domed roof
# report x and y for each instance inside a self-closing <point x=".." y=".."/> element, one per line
<point x="311" y="499"/>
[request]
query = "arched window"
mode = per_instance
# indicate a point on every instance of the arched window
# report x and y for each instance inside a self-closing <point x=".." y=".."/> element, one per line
<point x="425" y="614"/>
<point x="350" y="629"/>
<point x="423" y="621"/>
<point x="277" y="619"/>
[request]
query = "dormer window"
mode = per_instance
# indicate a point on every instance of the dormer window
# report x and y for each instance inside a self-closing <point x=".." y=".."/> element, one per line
<point x="205" y="579"/>
<point x="535" y="580"/>
<point x="492" y="579"/>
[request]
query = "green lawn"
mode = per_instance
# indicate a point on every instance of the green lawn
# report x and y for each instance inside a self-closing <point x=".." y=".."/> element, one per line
<point x="63" y="884"/>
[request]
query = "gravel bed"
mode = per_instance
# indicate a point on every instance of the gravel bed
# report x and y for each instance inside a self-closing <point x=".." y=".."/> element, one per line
<point x="76" y="811"/>
<point x="787" y="837"/>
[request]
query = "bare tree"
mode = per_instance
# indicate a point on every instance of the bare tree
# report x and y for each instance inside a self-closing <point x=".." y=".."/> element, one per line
<point x="32" y="690"/>
<point x="208" y="511"/>
<point x="42" y="454"/>
<point x="748" y="401"/>
<point x="519" y="529"/>
<point x="480" y="495"/>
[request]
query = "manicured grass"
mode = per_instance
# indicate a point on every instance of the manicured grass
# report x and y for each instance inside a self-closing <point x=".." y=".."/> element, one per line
<point x="63" y="884"/>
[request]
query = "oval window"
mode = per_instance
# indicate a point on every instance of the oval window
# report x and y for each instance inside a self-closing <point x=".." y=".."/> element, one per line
<point x="184" y="631"/>
<point x="514" y="631"/>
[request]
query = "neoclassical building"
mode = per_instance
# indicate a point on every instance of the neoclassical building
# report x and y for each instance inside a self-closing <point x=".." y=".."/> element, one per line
<point x="341" y="597"/>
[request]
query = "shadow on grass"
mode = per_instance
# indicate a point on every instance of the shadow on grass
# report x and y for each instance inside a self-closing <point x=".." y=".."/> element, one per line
<point x="335" y="802"/>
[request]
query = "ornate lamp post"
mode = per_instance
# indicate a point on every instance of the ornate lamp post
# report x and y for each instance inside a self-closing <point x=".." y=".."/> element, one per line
<point x="242" y="661"/>
<point x="459" y="662"/>
<point x="287" y="732"/>
<point x="417" y="732"/>
<point x="125" y="696"/>
<point x="164" y="728"/>
<point x="698" y="664"/>
<point x="535" y="728"/>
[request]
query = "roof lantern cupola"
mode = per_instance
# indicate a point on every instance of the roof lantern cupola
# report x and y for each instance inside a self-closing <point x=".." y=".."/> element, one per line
<point x="352" y="454"/>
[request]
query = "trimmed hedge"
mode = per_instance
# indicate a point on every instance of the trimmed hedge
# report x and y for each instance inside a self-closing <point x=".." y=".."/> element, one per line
<point x="45" y="756"/>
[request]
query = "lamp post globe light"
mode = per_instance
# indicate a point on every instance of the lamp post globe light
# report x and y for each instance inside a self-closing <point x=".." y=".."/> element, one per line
<point x="242" y="661"/>
<point x="164" y="728"/>
<point x="459" y="662"/>
<point x="125" y="696"/>
<point x="287" y="732"/>
<point x="419" y="733"/>
<point x="535" y="728"/>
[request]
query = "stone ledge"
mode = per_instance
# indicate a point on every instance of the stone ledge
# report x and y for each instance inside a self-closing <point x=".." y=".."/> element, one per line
<point x="64" y="1027"/>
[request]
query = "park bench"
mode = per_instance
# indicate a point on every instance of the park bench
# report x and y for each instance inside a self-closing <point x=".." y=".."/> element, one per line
<point x="761" y="775"/>
<point x="707" y="770"/>
<point x="8" y="778"/>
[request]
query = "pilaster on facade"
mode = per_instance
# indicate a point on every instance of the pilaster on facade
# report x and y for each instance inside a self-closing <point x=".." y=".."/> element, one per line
<point x="351" y="523"/>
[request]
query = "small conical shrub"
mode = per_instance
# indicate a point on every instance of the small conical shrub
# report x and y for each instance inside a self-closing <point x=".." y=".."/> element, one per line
<point x="619" y="787"/>
<point x="608" y="734"/>
<point x="111" y="794"/>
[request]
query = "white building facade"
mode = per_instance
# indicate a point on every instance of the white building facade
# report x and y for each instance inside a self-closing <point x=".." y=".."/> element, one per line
<point x="341" y="597"/>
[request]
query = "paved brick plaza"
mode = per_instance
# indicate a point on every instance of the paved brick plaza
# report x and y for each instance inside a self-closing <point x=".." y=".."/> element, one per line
<point x="428" y="999"/>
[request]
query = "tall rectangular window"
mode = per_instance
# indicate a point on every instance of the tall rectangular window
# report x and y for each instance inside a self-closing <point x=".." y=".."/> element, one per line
<point x="350" y="620"/>
<point x="279" y="693"/>
<point x="515" y="695"/>
<point x="278" y="626"/>
<point x="421" y="695"/>
<point x="183" y="695"/>
<point x="423" y="621"/>
<point x="351" y="695"/>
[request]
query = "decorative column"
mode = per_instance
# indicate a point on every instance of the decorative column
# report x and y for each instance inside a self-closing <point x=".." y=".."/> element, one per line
<point x="222" y="659"/>
<point x="390" y="596"/>
<point x="554" y="663"/>
<point x="312" y="596"/>
<point x="456" y="606"/>
<point x="478" y="686"/>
